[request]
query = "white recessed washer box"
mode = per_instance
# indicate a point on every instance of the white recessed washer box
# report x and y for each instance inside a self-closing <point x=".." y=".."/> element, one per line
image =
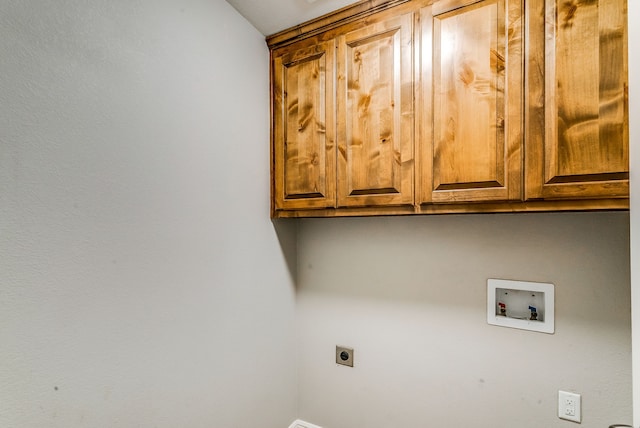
<point x="521" y="304"/>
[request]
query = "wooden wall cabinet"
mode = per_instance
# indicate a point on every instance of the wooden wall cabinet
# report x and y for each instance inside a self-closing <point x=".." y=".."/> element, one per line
<point x="417" y="106"/>
<point x="577" y="142"/>
<point x="304" y="167"/>
<point x="375" y="114"/>
<point x="472" y="85"/>
<point x="343" y="124"/>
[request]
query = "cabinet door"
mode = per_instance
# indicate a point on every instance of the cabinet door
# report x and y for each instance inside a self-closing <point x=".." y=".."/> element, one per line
<point x="471" y="101"/>
<point x="577" y="138"/>
<point x="303" y="128"/>
<point x="375" y="114"/>
<point x="471" y="111"/>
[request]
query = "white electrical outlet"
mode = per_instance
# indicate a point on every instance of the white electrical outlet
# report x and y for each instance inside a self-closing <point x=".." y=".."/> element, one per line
<point x="569" y="406"/>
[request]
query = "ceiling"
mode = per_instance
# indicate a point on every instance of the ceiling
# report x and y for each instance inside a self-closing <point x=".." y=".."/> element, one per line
<point x="272" y="16"/>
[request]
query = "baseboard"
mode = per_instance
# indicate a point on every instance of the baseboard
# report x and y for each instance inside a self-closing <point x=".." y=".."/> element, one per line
<point x="302" y="424"/>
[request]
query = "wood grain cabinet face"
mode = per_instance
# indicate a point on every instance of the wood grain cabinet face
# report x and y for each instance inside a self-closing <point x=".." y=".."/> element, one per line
<point x="471" y="98"/>
<point x="577" y="138"/>
<point x="303" y="128"/>
<point x="375" y="114"/>
<point x="448" y="106"/>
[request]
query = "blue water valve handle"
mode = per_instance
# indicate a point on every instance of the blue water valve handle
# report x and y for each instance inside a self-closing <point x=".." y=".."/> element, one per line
<point x="532" y="309"/>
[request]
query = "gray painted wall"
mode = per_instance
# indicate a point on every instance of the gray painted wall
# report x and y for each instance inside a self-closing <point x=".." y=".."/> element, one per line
<point x="409" y="294"/>
<point x="142" y="283"/>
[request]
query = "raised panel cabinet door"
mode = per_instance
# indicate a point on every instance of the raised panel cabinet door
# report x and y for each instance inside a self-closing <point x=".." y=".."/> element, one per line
<point x="303" y="130"/>
<point x="577" y="139"/>
<point x="471" y="132"/>
<point x="375" y="114"/>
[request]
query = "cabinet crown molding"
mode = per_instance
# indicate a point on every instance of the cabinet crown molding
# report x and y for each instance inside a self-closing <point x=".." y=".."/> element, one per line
<point x="331" y="20"/>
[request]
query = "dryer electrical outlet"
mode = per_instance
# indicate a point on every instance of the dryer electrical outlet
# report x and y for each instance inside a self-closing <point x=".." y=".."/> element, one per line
<point x="344" y="356"/>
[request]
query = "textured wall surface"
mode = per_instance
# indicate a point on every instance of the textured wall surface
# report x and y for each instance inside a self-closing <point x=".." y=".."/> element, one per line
<point x="409" y="295"/>
<point x="141" y="281"/>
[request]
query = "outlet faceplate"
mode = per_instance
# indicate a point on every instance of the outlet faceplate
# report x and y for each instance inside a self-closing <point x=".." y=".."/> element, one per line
<point x="569" y="406"/>
<point x="344" y="356"/>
